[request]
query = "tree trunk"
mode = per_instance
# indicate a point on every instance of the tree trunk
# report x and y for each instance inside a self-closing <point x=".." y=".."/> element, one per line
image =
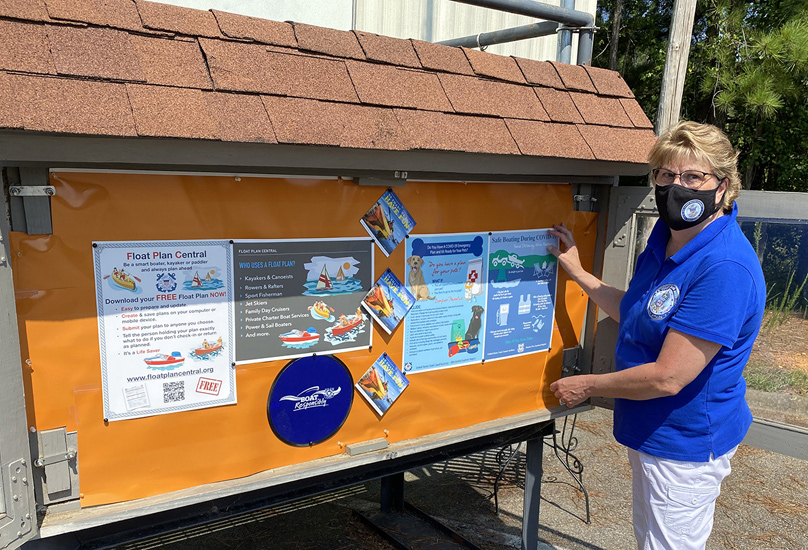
<point x="617" y="16"/>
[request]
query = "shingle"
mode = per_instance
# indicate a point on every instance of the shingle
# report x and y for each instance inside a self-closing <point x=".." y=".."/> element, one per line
<point x="94" y="52"/>
<point x="250" y="68"/>
<point x="442" y="58"/>
<point x="495" y="66"/>
<point x="30" y="10"/>
<point x="165" y="17"/>
<point x="558" y="104"/>
<point x="171" y="62"/>
<point x="171" y="112"/>
<point x="485" y="97"/>
<point x="338" y="124"/>
<point x="608" y="82"/>
<point x="24" y="47"/>
<point x="304" y="121"/>
<point x="636" y="114"/>
<point x="121" y="14"/>
<point x="448" y="132"/>
<point x="252" y="28"/>
<point x="601" y="110"/>
<point x="394" y="51"/>
<point x="76" y="107"/>
<point x="539" y="72"/>
<point x="574" y="77"/>
<point x="548" y="139"/>
<point x="328" y="41"/>
<point x="386" y="85"/>
<point x="240" y="117"/>
<point x="619" y="144"/>
<point x="10" y="114"/>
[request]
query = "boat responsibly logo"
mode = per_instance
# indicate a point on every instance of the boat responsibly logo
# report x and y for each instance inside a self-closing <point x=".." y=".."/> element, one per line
<point x="312" y="397"/>
<point x="166" y="282"/>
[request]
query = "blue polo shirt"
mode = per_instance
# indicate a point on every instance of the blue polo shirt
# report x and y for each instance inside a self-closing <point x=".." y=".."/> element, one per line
<point x="713" y="289"/>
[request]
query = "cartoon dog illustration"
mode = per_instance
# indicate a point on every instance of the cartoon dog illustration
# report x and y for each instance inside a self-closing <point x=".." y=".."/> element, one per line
<point x="416" y="279"/>
<point x="474" y="323"/>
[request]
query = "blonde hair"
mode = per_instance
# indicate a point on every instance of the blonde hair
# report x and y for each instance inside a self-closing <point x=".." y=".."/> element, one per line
<point x="705" y="143"/>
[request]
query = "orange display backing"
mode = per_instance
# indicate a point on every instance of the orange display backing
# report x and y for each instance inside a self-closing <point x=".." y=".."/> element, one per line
<point x="56" y="308"/>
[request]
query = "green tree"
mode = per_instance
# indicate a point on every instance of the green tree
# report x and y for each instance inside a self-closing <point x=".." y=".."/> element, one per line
<point x="748" y="74"/>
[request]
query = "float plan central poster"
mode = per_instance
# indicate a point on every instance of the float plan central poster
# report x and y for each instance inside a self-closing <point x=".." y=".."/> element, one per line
<point x="298" y="297"/>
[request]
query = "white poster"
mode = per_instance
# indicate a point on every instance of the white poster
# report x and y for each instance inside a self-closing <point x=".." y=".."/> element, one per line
<point x="164" y="324"/>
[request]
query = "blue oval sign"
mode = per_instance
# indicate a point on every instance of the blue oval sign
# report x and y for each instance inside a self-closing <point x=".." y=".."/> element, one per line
<point x="310" y="400"/>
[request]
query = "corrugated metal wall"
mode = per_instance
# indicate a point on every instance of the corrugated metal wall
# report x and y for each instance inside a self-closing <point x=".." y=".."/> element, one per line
<point x="436" y="20"/>
<point x="429" y="20"/>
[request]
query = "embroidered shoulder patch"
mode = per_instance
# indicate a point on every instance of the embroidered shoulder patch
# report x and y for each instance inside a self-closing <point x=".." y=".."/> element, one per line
<point x="662" y="301"/>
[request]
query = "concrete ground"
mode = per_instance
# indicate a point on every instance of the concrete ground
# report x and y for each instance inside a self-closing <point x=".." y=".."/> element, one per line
<point x="763" y="504"/>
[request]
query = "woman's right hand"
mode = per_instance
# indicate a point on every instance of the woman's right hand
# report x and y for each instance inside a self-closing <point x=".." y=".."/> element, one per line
<point x="568" y="259"/>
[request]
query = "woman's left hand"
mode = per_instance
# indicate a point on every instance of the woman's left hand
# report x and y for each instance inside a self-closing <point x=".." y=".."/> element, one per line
<point x="572" y="390"/>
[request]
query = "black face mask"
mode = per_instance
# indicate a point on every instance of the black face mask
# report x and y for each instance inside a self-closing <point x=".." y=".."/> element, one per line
<point x="683" y="208"/>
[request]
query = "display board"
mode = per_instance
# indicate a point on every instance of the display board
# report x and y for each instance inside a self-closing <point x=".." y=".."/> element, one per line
<point x="69" y="353"/>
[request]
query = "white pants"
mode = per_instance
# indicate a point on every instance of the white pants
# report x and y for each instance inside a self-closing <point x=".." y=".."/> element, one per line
<point x="674" y="501"/>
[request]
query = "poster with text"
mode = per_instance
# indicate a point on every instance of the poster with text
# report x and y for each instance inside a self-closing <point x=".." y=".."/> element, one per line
<point x="299" y="297"/>
<point x="521" y="293"/>
<point x="164" y="323"/>
<point x="446" y="274"/>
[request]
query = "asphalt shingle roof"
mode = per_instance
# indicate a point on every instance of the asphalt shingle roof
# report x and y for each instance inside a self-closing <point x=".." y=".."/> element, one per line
<point x="138" y="68"/>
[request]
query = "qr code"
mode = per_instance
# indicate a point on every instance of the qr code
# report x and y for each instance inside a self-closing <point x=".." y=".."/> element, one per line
<point x="173" y="392"/>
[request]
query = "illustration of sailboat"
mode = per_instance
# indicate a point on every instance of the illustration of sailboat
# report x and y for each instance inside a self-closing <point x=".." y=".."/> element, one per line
<point x="340" y="275"/>
<point x="196" y="282"/>
<point x="208" y="278"/>
<point x="324" y="282"/>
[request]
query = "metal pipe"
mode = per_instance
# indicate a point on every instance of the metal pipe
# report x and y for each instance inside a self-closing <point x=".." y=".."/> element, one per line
<point x="564" y="51"/>
<point x="538" y="10"/>
<point x="513" y="34"/>
<point x="586" y="38"/>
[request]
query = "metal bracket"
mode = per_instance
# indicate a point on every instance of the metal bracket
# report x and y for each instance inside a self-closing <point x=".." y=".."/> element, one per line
<point x="569" y="362"/>
<point x="584" y="198"/>
<point x="399" y="179"/>
<point x="17" y="520"/>
<point x="41" y="462"/>
<point x="32" y="191"/>
<point x="593" y="28"/>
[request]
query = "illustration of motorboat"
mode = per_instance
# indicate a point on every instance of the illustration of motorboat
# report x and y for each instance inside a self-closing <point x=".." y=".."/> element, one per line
<point x="324" y="282"/>
<point x="174" y="360"/>
<point x="347" y="323"/>
<point x="371" y="384"/>
<point x="298" y="336"/>
<point x="207" y="348"/>
<point x="123" y="279"/>
<point x="196" y="282"/>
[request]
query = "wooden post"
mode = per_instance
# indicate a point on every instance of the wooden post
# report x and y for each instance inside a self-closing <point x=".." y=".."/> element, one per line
<point x="673" y="80"/>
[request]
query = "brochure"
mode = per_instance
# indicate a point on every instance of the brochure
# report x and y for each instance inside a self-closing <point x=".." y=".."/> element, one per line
<point x="382" y="384"/>
<point x="388" y="222"/>
<point x="388" y="301"/>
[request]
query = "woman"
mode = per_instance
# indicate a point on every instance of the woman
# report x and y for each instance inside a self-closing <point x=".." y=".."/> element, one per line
<point x="687" y="324"/>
